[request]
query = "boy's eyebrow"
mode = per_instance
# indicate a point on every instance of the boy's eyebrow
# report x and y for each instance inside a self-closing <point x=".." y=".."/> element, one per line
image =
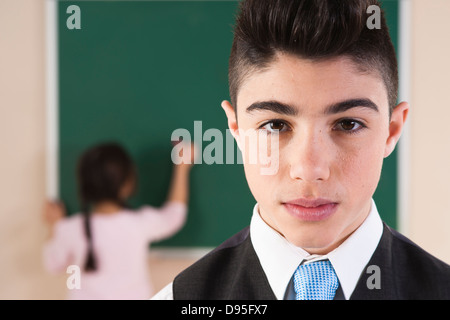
<point x="349" y="104"/>
<point x="334" y="108"/>
<point x="273" y="106"/>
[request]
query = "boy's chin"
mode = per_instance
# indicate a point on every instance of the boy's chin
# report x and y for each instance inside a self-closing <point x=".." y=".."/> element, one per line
<point x="314" y="244"/>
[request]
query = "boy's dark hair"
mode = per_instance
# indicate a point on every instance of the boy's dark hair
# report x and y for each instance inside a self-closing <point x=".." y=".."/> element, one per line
<point x="310" y="29"/>
<point x="102" y="172"/>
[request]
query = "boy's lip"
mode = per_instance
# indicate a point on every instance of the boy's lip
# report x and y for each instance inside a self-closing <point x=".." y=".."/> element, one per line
<point x="310" y="203"/>
<point x="311" y="209"/>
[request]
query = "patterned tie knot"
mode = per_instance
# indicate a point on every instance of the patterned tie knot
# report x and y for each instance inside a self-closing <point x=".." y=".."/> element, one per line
<point x="315" y="281"/>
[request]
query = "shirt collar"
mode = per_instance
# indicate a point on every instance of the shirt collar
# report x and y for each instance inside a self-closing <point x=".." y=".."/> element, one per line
<point x="279" y="258"/>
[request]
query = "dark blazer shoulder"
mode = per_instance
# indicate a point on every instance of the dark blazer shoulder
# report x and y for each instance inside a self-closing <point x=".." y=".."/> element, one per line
<point x="425" y="275"/>
<point x="231" y="271"/>
<point x="407" y="271"/>
<point x="220" y="254"/>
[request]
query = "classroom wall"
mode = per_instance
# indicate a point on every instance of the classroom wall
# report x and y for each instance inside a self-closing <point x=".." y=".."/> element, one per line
<point x="22" y="132"/>
<point x="429" y="221"/>
<point x="22" y="141"/>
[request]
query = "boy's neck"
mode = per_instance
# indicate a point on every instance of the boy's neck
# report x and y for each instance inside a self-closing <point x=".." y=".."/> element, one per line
<point x="107" y="207"/>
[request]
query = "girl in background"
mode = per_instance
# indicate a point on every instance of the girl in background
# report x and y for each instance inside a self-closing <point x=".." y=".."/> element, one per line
<point x="108" y="241"/>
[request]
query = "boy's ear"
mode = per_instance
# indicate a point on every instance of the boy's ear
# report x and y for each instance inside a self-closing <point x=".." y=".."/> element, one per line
<point x="398" y="119"/>
<point x="232" y="120"/>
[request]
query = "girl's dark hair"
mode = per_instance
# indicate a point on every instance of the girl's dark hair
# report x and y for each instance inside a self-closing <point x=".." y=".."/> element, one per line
<point x="310" y="29"/>
<point x="102" y="172"/>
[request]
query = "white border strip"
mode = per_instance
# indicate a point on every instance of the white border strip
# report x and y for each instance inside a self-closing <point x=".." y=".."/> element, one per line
<point x="52" y="97"/>
<point x="404" y="153"/>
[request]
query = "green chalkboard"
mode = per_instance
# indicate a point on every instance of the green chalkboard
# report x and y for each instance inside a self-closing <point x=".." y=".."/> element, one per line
<point x="138" y="70"/>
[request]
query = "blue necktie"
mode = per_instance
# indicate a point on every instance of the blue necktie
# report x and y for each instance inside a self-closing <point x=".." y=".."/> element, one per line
<point x="315" y="281"/>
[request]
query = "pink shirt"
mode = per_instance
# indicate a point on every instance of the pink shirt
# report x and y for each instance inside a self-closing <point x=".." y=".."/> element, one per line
<point x="121" y="244"/>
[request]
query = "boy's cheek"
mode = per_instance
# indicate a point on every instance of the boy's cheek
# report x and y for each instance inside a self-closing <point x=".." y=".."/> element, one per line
<point x="260" y="151"/>
<point x="360" y="175"/>
<point x="261" y="186"/>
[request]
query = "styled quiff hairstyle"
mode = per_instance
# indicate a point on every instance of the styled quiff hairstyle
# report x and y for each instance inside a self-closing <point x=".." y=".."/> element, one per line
<point x="310" y="29"/>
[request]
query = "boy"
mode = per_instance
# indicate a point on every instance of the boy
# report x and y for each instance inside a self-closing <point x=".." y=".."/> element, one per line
<point x="313" y="74"/>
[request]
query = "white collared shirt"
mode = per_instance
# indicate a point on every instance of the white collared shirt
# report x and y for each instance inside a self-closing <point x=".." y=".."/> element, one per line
<point x="279" y="258"/>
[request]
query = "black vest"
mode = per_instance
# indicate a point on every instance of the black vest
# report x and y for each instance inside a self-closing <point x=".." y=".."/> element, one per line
<point x="233" y="272"/>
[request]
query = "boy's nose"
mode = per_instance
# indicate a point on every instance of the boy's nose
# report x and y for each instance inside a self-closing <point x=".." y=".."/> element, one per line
<point x="309" y="157"/>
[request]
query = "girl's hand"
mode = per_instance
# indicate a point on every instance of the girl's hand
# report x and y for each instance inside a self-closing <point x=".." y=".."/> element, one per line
<point x="194" y="152"/>
<point x="53" y="212"/>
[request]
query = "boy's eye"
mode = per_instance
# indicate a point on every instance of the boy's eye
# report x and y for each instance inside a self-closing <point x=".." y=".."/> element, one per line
<point x="274" y="126"/>
<point x="349" y="125"/>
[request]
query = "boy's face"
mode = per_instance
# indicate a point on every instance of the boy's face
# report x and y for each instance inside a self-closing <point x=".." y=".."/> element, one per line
<point x="334" y="131"/>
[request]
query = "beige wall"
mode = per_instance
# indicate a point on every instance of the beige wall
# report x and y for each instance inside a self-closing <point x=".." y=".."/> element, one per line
<point x="22" y="141"/>
<point x="429" y="222"/>
<point x="22" y="117"/>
